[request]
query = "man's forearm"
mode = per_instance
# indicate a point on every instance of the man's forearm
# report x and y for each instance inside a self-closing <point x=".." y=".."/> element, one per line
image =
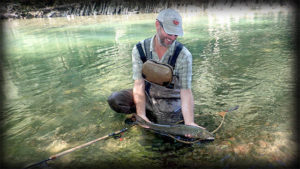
<point x="139" y="97"/>
<point x="187" y="106"/>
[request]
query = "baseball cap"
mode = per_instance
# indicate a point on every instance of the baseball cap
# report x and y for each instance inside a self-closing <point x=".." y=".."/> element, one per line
<point x="171" y="21"/>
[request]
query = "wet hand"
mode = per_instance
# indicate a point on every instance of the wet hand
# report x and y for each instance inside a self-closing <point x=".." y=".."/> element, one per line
<point x="192" y="124"/>
<point x="146" y="119"/>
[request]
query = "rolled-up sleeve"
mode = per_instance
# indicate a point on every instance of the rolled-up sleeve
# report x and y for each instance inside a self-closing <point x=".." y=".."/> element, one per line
<point x="137" y="64"/>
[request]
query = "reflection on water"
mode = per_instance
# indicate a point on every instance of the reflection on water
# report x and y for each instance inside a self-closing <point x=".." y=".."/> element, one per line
<point x="59" y="73"/>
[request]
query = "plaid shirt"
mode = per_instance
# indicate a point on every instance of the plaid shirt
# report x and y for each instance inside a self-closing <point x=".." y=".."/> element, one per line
<point x="183" y="66"/>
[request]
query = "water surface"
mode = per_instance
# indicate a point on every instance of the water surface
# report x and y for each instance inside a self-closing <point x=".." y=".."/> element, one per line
<point x="60" y="71"/>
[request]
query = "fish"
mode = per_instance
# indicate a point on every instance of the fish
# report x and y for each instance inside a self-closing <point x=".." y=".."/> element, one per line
<point x="177" y="129"/>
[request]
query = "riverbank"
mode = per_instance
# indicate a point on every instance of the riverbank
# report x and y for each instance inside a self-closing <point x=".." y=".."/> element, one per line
<point x="26" y="9"/>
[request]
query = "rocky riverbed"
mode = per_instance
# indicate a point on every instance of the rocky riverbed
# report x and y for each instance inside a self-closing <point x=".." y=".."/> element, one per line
<point x="63" y="8"/>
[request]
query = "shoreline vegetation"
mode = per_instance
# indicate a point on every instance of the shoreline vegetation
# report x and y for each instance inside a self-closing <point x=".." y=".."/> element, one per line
<point x="27" y="9"/>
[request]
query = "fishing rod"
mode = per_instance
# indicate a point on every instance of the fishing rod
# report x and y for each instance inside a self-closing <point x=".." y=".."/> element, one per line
<point x="223" y="114"/>
<point x="53" y="157"/>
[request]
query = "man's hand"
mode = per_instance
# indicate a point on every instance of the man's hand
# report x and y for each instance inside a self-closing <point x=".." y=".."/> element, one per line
<point x="146" y="119"/>
<point x="187" y="107"/>
<point x="140" y="100"/>
<point x="193" y="124"/>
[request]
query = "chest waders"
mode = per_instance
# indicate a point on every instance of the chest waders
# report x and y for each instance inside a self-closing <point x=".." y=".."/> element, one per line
<point x="165" y="102"/>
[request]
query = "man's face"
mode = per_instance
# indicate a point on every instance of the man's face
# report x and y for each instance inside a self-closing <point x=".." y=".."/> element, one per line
<point x="165" y="39"/>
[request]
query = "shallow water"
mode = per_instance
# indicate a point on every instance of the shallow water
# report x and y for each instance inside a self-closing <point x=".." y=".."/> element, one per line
<point x="60" y="71"/>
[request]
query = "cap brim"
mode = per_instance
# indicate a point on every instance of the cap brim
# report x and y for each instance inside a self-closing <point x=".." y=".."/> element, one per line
<point x="173" y="30"/>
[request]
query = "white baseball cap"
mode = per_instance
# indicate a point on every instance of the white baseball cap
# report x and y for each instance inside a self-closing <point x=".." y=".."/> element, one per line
<point x="171" y="21"/>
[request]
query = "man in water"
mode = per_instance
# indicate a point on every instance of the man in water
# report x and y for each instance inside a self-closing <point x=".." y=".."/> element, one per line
<point x="152" y="102"/>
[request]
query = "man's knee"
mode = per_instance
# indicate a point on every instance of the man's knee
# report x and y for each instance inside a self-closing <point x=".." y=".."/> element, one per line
<point x="113" y="101"/>
<point x="121" y="102"/>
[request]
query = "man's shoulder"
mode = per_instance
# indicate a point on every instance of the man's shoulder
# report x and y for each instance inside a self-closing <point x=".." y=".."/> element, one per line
<point x="185" y="53"/>
<point x="142" y="42"/>
<point x="145" y="40"/>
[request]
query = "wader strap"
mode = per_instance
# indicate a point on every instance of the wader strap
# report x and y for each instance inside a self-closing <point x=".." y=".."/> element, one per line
<point x="178" y="48"/>
<point x="146" y="46"/>
<point x="142" y="54"/>
<point x="144" y="57"/>
<point x="147" y="87"/>
<point x="171" y="61"/>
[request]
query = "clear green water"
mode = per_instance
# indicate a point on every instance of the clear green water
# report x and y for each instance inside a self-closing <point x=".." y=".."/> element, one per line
<point x="59" y="73"/>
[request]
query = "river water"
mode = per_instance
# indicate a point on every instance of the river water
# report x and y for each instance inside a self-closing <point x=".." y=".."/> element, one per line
<point x="59" y="72"/>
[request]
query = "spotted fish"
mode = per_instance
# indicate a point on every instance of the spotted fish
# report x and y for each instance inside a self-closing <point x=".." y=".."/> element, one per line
<point x="177" y="129"/>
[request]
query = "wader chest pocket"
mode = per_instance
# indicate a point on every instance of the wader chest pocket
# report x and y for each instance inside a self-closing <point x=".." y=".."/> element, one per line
<point x="158" y="73"/>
